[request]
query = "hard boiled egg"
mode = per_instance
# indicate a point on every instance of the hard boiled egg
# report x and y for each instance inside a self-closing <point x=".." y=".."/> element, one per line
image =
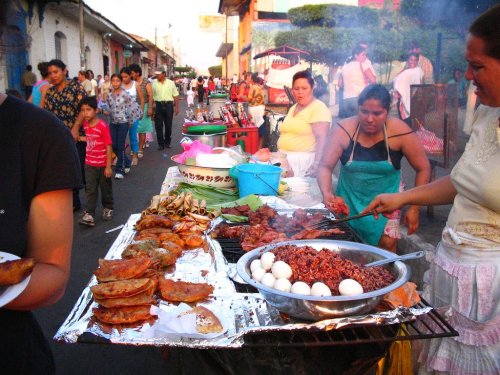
<point x="281" y="270"/>
<point x="350" y="287"/>
<point x="283" y="285"/>
<point x="268" y="280"/>
<point x="255" y="265"/>
<point x="300" y="287"/>
<point x="258" y="274"/>
<point x="320" y="289"/>
<point x="267" y="260"/>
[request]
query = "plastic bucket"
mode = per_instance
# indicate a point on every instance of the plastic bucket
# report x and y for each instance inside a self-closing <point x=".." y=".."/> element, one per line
<point x="260" y="179"/>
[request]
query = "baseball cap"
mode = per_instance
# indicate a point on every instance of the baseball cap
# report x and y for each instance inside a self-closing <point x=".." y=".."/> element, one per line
<point x="160" y="70"/>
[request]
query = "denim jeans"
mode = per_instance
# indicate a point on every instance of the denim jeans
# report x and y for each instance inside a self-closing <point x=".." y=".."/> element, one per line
<point x="119" y="135"/>
<point x="132" y="136"/>
<point x="96" y="180"/>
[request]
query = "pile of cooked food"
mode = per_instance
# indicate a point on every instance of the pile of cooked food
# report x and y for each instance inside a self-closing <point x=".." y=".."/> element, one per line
<point x="310" y="266"/>
<point x="14" y="271"/>
<point x="178" y="206"/>
<point x="266" y="225"/>
<point x="129" y="286"/>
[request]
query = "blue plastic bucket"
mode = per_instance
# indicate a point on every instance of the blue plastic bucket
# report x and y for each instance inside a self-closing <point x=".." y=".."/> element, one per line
<point x="260" y="179"/>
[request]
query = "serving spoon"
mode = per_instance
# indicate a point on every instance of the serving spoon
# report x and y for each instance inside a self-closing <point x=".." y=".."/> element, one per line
<point x="415" y="255"/>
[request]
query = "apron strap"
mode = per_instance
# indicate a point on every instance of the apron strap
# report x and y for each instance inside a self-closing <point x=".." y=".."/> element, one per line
<point x="356" y="135"/>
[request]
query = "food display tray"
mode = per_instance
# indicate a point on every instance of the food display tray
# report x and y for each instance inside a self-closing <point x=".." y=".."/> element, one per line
<point x="247" y="314"/>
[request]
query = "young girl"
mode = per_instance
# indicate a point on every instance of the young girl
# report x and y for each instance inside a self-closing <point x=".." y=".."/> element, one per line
<point x="190" y="97"/>
<point x="122" y="112"/>
<point x="136" y="93"/>
<point x="97" y="163"/>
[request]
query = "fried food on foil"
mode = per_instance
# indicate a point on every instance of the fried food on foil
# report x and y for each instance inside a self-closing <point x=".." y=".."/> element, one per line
<point x="182" y="291"/>
<point x="171" y="237"/>
<point x="153" y="221"/>
<point x="122" y="288"/>
<point x="15" y="271"/>
<point x="165" y="256"/>
<point x="144" y="298"/>
<point x="122" y="315"/>
<point x="122" y="269"/>
<point x="206" y="321"/>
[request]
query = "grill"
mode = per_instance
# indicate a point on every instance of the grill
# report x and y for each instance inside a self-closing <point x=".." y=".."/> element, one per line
<point x="232" y="250"/>
<point x="427" y="326"/>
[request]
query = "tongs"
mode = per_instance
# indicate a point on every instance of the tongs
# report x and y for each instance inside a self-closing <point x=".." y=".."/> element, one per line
<point x="415" y="255"/>
<point x="329" y="222"/>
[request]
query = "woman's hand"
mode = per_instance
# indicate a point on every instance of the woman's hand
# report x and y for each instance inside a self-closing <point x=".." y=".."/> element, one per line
<point x="150" y="111"/>
<point x="411" y="219"/>
<point x="385" y="203"/>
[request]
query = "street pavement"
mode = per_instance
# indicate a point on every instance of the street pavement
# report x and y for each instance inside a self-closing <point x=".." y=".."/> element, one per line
<point x="131" y="196"/>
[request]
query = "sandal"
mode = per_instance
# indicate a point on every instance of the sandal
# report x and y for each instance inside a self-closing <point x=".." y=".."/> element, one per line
<point x="140" y="154"/>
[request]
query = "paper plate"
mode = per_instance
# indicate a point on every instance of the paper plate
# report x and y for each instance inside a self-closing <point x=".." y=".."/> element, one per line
<point x="8" y="293"/>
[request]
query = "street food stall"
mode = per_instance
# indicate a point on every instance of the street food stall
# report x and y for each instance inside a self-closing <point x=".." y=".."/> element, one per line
<point x="284" y="62"/>
<point x="182" y="274"/>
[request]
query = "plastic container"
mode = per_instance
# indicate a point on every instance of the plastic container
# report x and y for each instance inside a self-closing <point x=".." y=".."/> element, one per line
<point x="260" y="179"/>
<point x="214" y="140"/>
<point x="249" y="136"/>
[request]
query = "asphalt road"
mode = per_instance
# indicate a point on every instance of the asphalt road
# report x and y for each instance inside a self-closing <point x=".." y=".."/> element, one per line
<point x="131" y="196"/>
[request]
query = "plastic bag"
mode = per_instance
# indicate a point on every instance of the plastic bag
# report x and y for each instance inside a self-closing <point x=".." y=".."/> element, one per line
<point x="191" y="149"/>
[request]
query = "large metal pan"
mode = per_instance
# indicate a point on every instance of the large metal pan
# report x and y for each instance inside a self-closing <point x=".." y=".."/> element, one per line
<point x="318" y="308"/>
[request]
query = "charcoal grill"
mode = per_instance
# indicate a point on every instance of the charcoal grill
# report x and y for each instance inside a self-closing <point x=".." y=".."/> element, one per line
<point x="231" y="247"/>
<point x="426" y="326"/>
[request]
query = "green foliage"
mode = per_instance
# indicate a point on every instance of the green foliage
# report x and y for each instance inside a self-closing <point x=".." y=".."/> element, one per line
<point x="215" y="70"/>
<point x="326" y="15"/>
<point x="183" y="69"/>
<point x="333" y="45"/>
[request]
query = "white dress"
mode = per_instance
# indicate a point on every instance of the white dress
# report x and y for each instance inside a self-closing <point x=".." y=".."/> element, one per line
<point x="464" y="279"/>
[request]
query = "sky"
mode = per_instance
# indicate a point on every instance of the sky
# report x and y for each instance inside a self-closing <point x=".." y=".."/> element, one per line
<point x="141" y="17"/>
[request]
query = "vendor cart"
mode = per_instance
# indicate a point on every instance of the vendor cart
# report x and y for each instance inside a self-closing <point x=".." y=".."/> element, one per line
<point x="258" y="339"/>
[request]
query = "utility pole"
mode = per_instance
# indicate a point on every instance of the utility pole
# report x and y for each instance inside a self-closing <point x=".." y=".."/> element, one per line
<point x="156" y="48"/>
<point x="82" y="39"/>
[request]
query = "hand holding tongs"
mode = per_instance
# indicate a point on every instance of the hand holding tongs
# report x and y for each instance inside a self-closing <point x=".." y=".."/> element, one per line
<point x="329" y="222"/>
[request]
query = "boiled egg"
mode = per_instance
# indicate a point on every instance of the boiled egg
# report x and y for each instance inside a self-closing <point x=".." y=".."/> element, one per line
<point x="267" y="260"/>
<point x="258" y="274"/>
<point x="268" y="280"/>
<point x="281" y="270"/>
<point x="350" y="287"/>
<point x="283" y="285"/>
<point x="255" y="265"/>
<point x="321" y="290"/>
<point x="300" y="287"/>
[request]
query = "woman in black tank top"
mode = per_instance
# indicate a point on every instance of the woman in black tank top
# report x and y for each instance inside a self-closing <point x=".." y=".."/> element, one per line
<point x="370" y="147"/>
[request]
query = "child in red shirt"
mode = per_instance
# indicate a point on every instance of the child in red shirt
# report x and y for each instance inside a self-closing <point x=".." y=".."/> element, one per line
<point x="98" y="170"/>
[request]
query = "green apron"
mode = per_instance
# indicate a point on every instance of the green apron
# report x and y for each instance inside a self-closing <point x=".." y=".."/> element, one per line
<point x="359" y="182"/>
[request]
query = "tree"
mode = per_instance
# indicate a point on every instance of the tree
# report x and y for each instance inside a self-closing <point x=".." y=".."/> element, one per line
<point x="329" y="32"/>
<point x="215" y="70"/>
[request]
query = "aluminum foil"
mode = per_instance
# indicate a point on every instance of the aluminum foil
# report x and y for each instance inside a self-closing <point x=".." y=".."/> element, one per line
<point x="243" y="312"/>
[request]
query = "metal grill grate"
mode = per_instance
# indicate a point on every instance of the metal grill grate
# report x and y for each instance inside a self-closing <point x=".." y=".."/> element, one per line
<point x="231" y="247"/>
<point x="427" y="326"/>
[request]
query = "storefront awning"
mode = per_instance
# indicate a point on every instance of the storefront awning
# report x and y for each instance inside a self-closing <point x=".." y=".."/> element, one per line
<point x="224" y="49"/>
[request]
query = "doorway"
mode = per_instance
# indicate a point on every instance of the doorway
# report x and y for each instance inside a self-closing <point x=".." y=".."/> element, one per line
<point x="105" y="64"/>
